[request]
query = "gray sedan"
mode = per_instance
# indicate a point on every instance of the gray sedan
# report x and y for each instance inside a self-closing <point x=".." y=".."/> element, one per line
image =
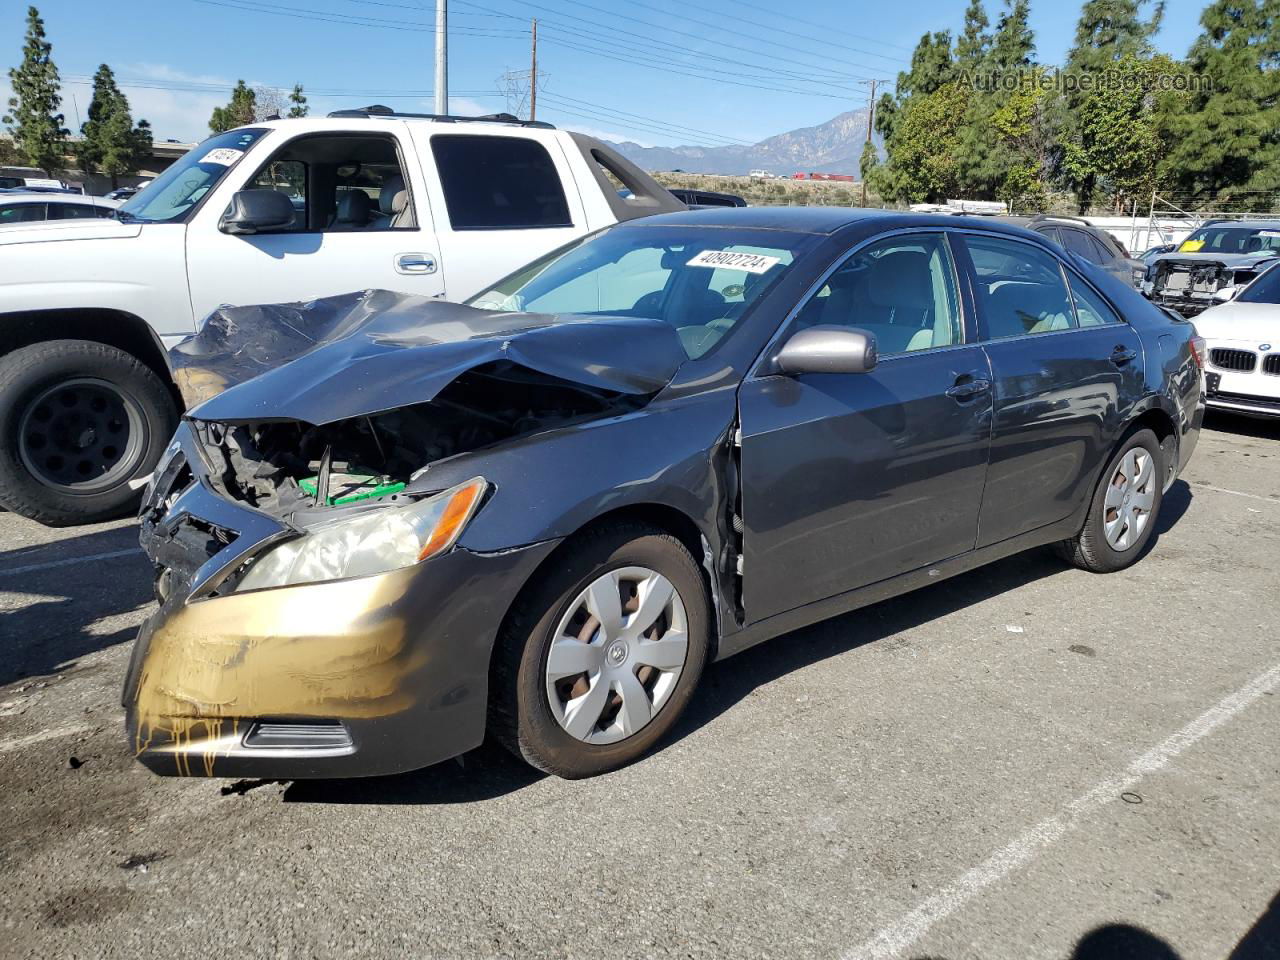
<point x="543" y="513"/>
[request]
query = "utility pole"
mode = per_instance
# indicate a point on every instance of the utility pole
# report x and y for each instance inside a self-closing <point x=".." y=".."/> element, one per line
<point x="871" y="119"/>
<point x="442" y="57"/>
<point x="533" y="75"/>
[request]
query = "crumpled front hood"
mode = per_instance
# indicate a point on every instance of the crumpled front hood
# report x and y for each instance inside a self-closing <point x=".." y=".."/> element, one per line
<point x="46" y="231"/>
<point x="1251" y="322"/>
<point x="360" y="354"/>
<point x="1233" y="260"/>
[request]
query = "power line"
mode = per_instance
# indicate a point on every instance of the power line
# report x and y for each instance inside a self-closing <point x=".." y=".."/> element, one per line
<point x="667" y="68"/>
<point x="667" y="28"/>
<point x="640" y="116"/>
<point x="603" y="115"/>
<point x="380" y="23"/>
<point x="791" y="33"/>
<point x="826" y="27"/>
<point x="628" y="36"/>
<point x="665" y="49"/>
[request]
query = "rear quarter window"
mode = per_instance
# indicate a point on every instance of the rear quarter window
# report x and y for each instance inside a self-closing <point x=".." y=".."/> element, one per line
<point x="499" y="183"/>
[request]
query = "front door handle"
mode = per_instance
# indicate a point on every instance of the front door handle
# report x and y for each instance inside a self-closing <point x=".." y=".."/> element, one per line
<point x="415" y="263"/>
<point x="968" y="390"/>
<point x="1122" y="355"/>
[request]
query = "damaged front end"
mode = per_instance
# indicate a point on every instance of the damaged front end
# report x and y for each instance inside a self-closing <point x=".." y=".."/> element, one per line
<point x="1190" y="285"/>
<point x="318" y="616"/>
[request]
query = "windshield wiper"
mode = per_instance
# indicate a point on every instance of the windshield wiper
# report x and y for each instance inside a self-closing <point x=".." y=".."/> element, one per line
<point x="125" y="217"/>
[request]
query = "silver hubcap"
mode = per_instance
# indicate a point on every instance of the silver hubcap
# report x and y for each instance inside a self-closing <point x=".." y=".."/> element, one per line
<point x="1130" y="494"/>
<point x="617" y="655"/>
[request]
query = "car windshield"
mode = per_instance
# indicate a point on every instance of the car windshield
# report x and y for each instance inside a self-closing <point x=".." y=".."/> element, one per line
<point x="1232" y="239"/>
<point x="174" y="194"/>
<point x="1266" y="289"/>
<point x="701" y="280"/>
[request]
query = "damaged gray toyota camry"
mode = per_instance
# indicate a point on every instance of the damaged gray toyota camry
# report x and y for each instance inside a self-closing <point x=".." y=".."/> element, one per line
<point x="542" y="513"/>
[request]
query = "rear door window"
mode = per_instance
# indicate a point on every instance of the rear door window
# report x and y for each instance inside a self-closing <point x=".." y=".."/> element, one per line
<point x="1081" y="244"/>
<point x="499" y="183"/>
<point x="1091" y="309"/>
<point x="1020" y="288"/>
<point x="72" y="211"/>
<point x="21" y="213"/>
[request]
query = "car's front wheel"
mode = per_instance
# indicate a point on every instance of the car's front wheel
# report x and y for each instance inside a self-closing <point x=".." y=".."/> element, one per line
<point x="1122" y="514"/>
<point x="78" y="421"/>
<point x="600" y="656"/>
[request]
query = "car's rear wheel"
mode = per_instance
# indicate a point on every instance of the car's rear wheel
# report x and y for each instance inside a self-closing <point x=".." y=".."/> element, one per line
<point x="600" y="656"/>
<point x="1122" y="514"/>
<point x="78" y="421"/>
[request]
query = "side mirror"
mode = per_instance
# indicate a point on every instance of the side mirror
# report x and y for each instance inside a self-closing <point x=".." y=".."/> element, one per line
<point x="255" y="211"/>
<point x="829" y="349"/>
<point x="1225" y="294"/>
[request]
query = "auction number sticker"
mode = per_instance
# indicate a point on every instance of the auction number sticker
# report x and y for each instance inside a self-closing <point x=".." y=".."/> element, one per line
<point x="746" y="262"/>
<point x="223" y="156"/>
<point x="1272" y="234"/>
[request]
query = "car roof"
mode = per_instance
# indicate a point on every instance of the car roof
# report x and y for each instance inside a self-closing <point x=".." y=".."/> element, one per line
<point x="51" y="195"/>
<point x="1242" y="224"/>
<point x="820" y="220"/>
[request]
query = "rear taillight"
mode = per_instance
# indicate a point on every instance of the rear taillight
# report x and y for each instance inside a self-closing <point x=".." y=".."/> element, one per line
<point x="1197" y="351"/>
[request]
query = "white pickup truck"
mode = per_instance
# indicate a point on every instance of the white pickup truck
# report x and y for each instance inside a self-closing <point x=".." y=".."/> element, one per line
<point x="279" y="211"/>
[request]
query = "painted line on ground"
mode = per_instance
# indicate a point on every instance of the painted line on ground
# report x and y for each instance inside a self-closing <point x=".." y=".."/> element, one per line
<point x="1237" y="493"/>
<point x="70" y="561"/>
<point x="18" y="743"/>
<point x="893" y="939"/>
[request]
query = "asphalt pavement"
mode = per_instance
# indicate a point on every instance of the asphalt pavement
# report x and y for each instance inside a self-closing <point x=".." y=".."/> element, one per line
<point x="1026" y="761"/>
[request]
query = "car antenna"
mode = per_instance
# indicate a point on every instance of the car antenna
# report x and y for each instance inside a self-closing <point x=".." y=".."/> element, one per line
<point x="322" y="478"/>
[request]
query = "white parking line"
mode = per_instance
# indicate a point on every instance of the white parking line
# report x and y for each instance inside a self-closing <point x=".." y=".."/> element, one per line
<point x="910" y="927"/>
<point x="17" y="743"/>
<point x="69" y="561"/>
<point x="1236" y="493"/>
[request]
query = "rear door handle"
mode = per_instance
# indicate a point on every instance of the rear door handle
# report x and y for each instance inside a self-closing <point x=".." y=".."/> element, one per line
<point x="969" y="389"/>
<point x="1122" y="355"/>
<point x="415" y="263"/>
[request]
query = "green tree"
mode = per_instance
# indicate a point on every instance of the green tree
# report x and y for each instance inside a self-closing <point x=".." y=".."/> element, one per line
<point x="1126" y="138"/>
<point x="1108" y="33"/>
<point x="983" y="162"/>
<point x="1227" y="143"/>
<point x="922" y="158"/>
<point x="974" y="42"/>
<point x="298" y="102"/>
<point x="240" y="110"/>
<point x="113" y="145"/>
<point x="33" y="118"/>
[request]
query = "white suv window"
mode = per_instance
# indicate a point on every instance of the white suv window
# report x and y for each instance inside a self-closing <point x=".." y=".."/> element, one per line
<point x="499" y="183"/>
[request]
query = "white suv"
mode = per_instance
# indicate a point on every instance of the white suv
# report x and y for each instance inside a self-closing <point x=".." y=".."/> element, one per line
<point x="279" y="211"/>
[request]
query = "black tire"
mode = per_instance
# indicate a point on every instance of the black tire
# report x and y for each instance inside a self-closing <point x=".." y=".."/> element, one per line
<point x="122" y="411"/>
<point x="520" y="714"/>
<point x="1089" y="550"/>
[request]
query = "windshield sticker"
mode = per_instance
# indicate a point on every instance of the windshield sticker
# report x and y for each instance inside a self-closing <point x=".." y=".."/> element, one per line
<point x="1190" y="246"/>
<point x="223" y="156"/>
<point x="1272" y="234"/>
<point x="746" y="262"/>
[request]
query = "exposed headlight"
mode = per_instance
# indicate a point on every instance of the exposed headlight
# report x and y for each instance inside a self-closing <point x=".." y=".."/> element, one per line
<point x="375" y="541"/>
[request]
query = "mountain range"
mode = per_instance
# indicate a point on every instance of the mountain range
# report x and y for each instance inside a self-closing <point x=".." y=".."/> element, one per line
<point x="831" y="147"/>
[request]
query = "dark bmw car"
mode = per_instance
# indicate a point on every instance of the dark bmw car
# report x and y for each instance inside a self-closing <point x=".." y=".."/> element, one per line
<point x="541" y="514"/>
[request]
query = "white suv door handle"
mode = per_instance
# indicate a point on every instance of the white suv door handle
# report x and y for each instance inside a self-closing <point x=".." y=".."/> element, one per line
<point x="415" y="263"/>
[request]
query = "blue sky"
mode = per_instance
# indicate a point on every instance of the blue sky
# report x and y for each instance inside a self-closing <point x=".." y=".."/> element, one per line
<point x="654" y="71"/>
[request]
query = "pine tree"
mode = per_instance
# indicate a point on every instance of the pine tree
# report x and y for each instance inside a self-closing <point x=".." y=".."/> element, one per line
<point x="299" y="106"/>
<point x="240" y="110"/>
<point x="33" y="118"/>
<point x="1228" y="141"/>
<point x="974" y="41"/>
<point x="983" y="156"/>
<point x="1108" y="33"/>
<point x="112" y="144"/>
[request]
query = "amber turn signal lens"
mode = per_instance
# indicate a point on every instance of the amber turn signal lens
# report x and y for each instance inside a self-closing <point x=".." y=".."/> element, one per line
<point x="456" y="514"/>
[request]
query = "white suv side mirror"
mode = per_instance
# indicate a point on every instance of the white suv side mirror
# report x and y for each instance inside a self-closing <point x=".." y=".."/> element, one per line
<point x="1225" y="294"/>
